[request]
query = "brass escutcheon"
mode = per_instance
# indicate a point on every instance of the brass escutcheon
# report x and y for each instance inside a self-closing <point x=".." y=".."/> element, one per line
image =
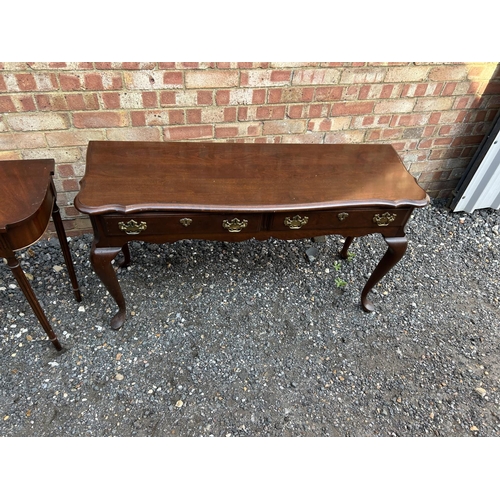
<point x="384" y="219"/>
<point x="186" y="222"/>
<point x="296" y="223"/>
<point x="234" y="226"/>
<point x="343" y="216"/>
<point x="132" y="227"/>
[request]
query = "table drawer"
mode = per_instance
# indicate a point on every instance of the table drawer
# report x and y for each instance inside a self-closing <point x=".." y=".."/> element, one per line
<point x="188" y="223"/>
<point x="326" y="219"/>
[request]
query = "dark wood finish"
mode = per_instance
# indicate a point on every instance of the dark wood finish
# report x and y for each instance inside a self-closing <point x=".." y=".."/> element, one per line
<point x="396" y="250"/>
<point x="28" y="199"/>
<point x="345" y="249"/>
<point x="164" y="192"/>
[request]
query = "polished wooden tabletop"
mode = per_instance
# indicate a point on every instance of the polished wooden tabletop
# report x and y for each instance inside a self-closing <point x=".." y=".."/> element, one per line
<point x="127" y="177"/>
<point x="23" y="189"/>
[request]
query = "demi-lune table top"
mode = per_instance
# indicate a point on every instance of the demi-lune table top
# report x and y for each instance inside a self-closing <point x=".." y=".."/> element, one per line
<point x="23" y="189"/>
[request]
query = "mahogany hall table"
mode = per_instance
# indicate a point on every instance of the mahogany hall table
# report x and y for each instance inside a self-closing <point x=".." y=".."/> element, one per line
<point x="167" y="191"/>
<point x="27" y="199"/>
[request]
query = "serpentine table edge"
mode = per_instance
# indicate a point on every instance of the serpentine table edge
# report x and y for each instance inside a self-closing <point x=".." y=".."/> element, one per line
<point x="161" y="192"/>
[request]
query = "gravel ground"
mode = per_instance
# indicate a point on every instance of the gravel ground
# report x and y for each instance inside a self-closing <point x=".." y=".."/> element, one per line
<point x="262" y="339"/>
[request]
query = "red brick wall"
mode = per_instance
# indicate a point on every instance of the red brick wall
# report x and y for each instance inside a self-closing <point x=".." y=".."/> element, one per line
<point x="434" y="114"/>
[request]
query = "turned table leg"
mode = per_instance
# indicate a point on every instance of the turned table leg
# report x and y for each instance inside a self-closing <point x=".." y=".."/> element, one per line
<point x="61" y="234"/>
<point x="21" y="279"/>
<point x="396" y="250"/>
<point x="100" y="259"/>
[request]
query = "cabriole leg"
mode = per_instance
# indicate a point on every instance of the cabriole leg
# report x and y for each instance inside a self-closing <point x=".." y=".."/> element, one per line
<point x="125" y="261"/>
<point x="347" y="244"/>
<point x="396" y="250"/>
<point x="100" y="259"/>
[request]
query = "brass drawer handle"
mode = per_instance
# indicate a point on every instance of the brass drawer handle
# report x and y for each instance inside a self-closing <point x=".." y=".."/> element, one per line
<point x="384" y="219"/>
<point x="186" y="222"/>
<point x="132" y="227"/>
<point x="343" y="216"/>
<point x="296" y="223"/>
<point x="234" y="226"/>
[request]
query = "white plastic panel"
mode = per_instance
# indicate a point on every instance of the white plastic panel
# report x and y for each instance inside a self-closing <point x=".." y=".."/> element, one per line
<point x="483" y="190"/>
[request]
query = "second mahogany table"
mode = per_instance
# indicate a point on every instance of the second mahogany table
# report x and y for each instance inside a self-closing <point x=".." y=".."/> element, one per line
<point x="167" y="191"/>
<point x="27" y="200"/>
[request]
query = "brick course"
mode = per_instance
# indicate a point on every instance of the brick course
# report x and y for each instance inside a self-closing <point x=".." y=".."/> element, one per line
<point x="435" y="115"/>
